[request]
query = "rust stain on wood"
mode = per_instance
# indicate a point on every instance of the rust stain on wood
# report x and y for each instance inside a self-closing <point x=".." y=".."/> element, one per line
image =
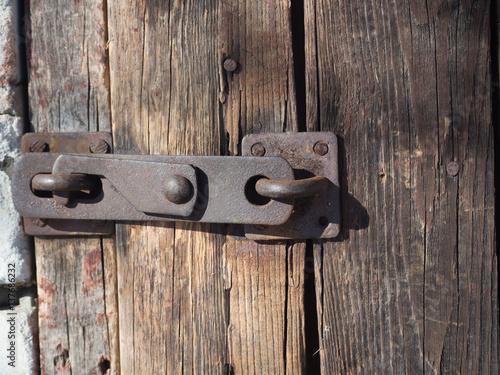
<point x="93" y="278"/>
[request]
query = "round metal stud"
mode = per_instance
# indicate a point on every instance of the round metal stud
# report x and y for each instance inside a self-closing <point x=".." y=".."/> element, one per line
<point x="178" y="189"/>
<point x="230" y="65"/>
<point x="99" y="146"/>
<point x="258" y="149"/>
<point x="38" y="146"/>
<point x="321" y="148"/>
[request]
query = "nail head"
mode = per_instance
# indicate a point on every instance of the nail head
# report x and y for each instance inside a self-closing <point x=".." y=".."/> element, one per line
<point x="99" y="146"/>
<point x="453" y="168"/>
<point x="38" y="146"/>
<point x="230" y="65"/>
<point x="258" y="149"/>
<point x="320" y="148"/>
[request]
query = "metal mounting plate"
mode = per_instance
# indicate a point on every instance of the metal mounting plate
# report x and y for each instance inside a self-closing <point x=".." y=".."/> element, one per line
<point x="64" y="227"/>
<point x="66" y="143"/>
<point x="309" y="154"/>
<point x="129" y="187"/>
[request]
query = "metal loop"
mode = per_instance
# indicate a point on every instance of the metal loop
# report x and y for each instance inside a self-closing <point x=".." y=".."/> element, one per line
<point x="291" y="189"/>
<point x="64" y="182"/>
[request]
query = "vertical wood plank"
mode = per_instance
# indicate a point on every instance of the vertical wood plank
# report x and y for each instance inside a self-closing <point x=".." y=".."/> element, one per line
<point x="183" y="307"/>
<point x="68" y="92"/>
<point x="164" y="91"/>
<point x="410" y="286"/>
<point x="111" y="305"/>
<point x="265" y="282"/>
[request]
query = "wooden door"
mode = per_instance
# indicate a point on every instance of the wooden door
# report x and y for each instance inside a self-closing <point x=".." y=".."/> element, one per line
<point x="409" y="286"/>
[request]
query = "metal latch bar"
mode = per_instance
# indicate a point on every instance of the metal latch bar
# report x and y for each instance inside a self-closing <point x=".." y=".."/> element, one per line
<point x="132" y="188"/>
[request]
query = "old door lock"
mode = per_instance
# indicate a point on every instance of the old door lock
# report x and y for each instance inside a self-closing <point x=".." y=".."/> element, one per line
<point x="284" y="186"/>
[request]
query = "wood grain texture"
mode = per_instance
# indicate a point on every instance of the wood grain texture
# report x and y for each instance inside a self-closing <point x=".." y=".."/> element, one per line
<point x="163" y="64"/>
<point x="68" y="92"/>
<point x="67" y="63"/>
<point x="407" y="87"/>
<point x="191" y="299"/>
<point x="265" y="299"/>
<point x="265" y="282"/>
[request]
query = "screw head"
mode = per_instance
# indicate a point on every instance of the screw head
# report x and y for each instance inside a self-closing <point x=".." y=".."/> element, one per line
<point x="38" y="146"/>
<point x="258" y="149"/>
<point x="321" y="148"/>
<point x="99" y="146"/>
<point x="178" y="189"/>
<point x="230" y="65"/>
<point x="453" y="168"/>
<point x="39" y="222"/>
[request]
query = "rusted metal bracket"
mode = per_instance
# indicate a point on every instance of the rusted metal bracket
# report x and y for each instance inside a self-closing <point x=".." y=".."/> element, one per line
<point x="65" y="143"/>
<point x="310" y="155"/>
<point x="286" y="186"/>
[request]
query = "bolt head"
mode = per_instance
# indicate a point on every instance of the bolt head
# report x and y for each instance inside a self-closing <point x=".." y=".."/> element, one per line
<point x="38" y="146"/>
<point x="258" y="149"/>
<point x="321" y="148"/>
<point x="453" y="168"/>
<point x="99" y="146"/>
<point x="178" y="189"/>
<point x="230" y="65"/>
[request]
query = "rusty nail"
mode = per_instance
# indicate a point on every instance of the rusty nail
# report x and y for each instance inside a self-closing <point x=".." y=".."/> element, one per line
<point x="320" y="148"/>
<point x="230" y="65"/>
<point x="99" y="146"/>
<point x="38" y="146"/>
<point x="452" y="168"/>
<point x="178" y="189"/>
<point x="258" y="149"/>
<point x="98" y="223"/>
<point x="260" y="227"/>
<point x="39" y="222"/>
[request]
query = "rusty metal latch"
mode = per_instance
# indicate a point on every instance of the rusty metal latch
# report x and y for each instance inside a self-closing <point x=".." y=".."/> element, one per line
<point x="284" y="186"/>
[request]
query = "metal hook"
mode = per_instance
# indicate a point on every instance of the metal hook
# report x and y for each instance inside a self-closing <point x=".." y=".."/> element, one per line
<point x="64" y="182"/>
<point x="291" y="189"/>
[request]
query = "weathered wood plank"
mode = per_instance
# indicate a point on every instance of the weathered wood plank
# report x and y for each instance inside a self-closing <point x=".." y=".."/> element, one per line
<point x="265" y="283"/>
<point x="111" y="298"/>
<point x="407" y="86"/>
<point x="68" y="92"/>
<point x="67" y="63"/>
<point x="164" y="91"/>
<point x="183" y="305"/>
